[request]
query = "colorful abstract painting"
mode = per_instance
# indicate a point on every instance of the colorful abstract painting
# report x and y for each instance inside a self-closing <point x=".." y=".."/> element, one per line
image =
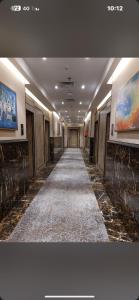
<point x="8" y="112"/>
<point x="127" y="108"/>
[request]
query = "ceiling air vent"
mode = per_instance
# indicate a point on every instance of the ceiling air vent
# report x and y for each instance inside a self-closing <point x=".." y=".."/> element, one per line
<point x="69" y="100"/>
<point x="65" y="84"/>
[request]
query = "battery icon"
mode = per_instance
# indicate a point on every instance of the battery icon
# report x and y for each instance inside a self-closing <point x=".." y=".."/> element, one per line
<point x="16" y="7"/>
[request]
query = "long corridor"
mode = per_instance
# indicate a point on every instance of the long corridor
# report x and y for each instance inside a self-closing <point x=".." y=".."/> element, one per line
<point x="65" y="209"/>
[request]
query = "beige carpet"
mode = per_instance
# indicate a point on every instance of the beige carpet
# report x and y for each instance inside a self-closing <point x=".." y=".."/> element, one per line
<point x="65" y="209"/>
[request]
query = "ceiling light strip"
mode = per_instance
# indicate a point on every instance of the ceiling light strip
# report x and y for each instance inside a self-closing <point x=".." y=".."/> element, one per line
<point x="120" y="67"/>
<point x="31" y="95"/>
<point x="88" y="116"/>
<point x="14" y="70"/>
<point x="55" y="114"/>
<point x="104" y="100"/>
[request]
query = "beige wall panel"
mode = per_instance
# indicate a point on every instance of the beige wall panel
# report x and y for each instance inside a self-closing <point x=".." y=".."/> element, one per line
<point x="40" y="115"/>
<point x="55" y="126"/>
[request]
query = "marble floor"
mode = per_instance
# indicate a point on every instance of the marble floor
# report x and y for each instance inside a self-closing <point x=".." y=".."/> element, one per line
<point x="65" y="209"/>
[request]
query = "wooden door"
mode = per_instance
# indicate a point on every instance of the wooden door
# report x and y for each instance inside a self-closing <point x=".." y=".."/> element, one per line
<point x="63" y="133"/>
<point x="73" y="138"/>
<point x="104" y="120"/>
<point x="96" y="142"/>
<point x="30" y="138"/>
<point x="107" y="138"/>
<point x="107" y="127"/>
<point x="46" y="142"/>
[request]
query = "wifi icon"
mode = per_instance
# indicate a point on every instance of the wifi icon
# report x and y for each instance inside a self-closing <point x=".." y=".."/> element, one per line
<point x="35" y="8"/>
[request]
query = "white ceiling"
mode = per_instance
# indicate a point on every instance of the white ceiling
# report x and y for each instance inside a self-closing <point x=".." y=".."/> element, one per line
<point x="83" y="71"/>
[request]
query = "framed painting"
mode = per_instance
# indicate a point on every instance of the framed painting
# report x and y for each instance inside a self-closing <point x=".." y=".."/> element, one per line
<point x="8" y="108"/>
<point x="127" y="107"/>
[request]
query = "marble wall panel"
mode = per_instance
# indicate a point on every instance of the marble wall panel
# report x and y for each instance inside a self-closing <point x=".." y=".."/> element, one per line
<point x="122" y="174"/>
<point x="90" y="148"/>
<point x="56" y="148"/>
<point x="13" y="173"/>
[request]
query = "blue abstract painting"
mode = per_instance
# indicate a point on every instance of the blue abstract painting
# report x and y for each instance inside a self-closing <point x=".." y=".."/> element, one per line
<point x="8" y="108"/>
<point x="127" y="108"/>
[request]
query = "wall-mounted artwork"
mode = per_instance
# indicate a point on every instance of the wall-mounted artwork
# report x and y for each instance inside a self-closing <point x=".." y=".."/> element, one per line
<point x="127" y="108"/>
<point x="8" y="109"/>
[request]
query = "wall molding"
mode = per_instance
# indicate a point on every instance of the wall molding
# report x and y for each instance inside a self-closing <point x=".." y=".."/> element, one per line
<point x="123" y="143"/>
<point x="13" y="141"/>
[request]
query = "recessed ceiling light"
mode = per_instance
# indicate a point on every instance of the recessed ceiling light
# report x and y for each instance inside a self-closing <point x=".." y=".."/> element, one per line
<point x="79" y="111"/>
<point x="83" y="87"/>
<point x="62" y="102"/>
<point x="80" y="102"/>
<point x="56" y="87"/>
<point x="44" y="58"/>
<point x="66" y="111"/>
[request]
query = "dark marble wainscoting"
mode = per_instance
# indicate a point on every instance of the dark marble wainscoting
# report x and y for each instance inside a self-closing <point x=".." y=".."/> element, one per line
<point x="122" y="175"/>
<point x="87" y="145"/>
<point x="90" y="148"/>
<point x="13" y="173"/>
<point x="56" y="148"/>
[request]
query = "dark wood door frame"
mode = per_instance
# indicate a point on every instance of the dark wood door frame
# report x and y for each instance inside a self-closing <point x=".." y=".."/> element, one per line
<point x="107" y="113"/>
<point x="106" y="138"/>
<point x="46" y="123"/>
<point x="28" y="111"/>
<point x="96" y="134"/>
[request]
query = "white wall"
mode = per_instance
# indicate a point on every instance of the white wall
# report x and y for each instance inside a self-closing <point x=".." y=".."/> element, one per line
<point x="126" y="74"/>
<point x="8" y="78"/>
